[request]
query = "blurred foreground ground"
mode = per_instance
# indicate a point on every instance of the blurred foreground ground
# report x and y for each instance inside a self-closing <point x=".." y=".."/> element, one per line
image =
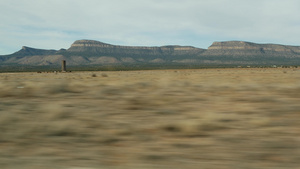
<point x="191" y="119"/>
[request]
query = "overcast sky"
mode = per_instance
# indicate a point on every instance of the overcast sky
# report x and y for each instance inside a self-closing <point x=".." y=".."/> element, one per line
<point x="55" y="24"/>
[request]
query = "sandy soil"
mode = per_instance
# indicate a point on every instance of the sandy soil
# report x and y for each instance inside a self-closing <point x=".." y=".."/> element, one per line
<point x="191" y="119"/>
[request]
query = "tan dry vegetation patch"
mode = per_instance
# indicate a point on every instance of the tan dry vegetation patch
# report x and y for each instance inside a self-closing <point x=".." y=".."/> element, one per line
<point x="209" y="118"/>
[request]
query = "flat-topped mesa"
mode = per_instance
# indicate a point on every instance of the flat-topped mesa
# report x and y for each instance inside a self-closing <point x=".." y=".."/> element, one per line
<point x="176" y="47"/>
<point x="97" y="44"/>
<point x="241" y="45"/>
<point x="90" y="46"/>
<point x="96" y="48"/>
<point x="233" y="45"/>
<point x="90" y="43"/>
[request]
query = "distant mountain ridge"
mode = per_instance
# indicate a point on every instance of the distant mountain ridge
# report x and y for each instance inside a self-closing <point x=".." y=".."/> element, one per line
<point x="90" y="52"/>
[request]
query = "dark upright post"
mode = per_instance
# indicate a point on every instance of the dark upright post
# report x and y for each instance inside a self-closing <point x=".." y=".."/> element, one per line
<point x="63" y="66"/>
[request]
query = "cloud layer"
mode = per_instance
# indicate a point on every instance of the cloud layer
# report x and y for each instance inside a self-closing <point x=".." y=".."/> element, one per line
<point x="56" y="24"/>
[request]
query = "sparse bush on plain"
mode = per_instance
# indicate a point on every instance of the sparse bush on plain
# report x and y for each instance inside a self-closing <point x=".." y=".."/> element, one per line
<point x="104" y="75"/>
<point x="170" y="118"/>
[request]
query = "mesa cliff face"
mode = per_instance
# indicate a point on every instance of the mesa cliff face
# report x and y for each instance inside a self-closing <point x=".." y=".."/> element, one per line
<point x="89" y="52"/>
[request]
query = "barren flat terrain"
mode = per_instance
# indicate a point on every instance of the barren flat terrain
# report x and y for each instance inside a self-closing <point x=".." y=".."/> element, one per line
<point x="185" y="119"/>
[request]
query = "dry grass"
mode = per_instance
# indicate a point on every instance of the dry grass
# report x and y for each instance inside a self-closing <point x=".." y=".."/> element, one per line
<point x="215" y="118"/>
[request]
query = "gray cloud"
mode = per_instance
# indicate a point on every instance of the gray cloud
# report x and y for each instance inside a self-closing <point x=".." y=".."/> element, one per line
<point x="57" y="23"/>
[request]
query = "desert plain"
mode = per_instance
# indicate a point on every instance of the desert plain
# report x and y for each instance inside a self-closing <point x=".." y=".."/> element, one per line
<point x="243" y="118"/>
